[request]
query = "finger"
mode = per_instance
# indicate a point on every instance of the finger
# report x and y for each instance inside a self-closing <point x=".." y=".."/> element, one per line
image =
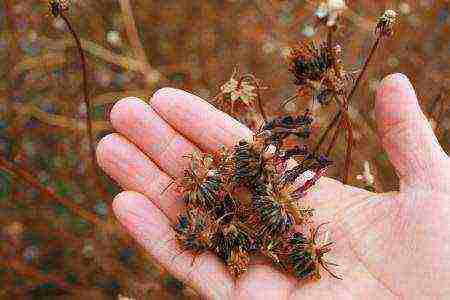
<point x="136" y="120"/>
<point x="197" y="120"/>
<point x="132" y="170"/>
<point x="406" y="133"/>
<point x="151" y="229"/>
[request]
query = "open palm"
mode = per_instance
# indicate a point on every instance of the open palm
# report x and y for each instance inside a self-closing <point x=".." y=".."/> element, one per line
<point x="392" y="245"/>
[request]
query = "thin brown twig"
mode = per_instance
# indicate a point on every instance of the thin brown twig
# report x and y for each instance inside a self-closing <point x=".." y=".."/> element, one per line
<point x="133" y="35"/>
<point x="334" y="138"/>
<point x="30" y="272"/>
<point x="346" y="118"/>
<point x="327" y="131"/>
<point x="31" y="179"/>
<point x="97" y="172"/>
<point x="348" y="155"/>
<point x="364" y="68"/>
<point x="85" y="88"/>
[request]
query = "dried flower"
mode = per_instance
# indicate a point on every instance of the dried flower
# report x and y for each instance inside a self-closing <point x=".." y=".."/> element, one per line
<point x="195" y="230"/>
<point x="275" y="217"/>
<point x="233" y="245"/>
<point x="56" y="7"/>
<point x="247" y="163"/>
<point x="239" y="90"/>
<point x="201" y="181"/>
<point x="385" y="25"/>
<point x="310" y="63"/>
<point x="308" y="254"/>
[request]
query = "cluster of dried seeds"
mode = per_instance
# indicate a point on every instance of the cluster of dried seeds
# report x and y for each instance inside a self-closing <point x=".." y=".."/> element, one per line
<point x="250" y="200"/>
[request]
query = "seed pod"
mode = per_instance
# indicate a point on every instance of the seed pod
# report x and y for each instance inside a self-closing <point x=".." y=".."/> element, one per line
<point x="201" y="182"/>
<point x="289" y="122"/>
<point x="274" y="250"/>
<point x="385" y="25"/>
<point x="301" y="259"/>
<point x="247" y="163"/>
<point x="280" y="128"/>
<point x="231" y="236"/>
<point x="56" y="7"/>
<point x="233" y="245"/>
<point x="274" y="216"/>
<point x="195" y="231"/>
<point x="309" y="62"/>
<point x="307" y="255"/>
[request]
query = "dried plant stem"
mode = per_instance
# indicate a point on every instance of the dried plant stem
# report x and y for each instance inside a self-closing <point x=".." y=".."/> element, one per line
<point x="327" y="131"/>
<point x="85" y="89"/>
<point x="87" y="103"/>
<point x="133" y="35"/>
<point x="29" y="272"/>
<point x="334" y="138"/>
<point x="345" y="119"/>
<point x="330" y="34"/>
<point x="31" y="179"/>
<point x="364" y="68"/>
<point x="288" y="99"/>
<point x="348" y="155"/>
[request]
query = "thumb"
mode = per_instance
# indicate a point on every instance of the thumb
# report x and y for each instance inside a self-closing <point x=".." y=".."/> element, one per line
<point x="406" y="133"/>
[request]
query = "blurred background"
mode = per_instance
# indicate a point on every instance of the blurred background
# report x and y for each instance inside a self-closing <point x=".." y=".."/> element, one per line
<point x="58" y="236"/>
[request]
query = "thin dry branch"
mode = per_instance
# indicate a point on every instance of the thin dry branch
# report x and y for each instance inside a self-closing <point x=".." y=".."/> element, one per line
<point x="30" y="272"/>
<point x="133" y="35"/>
<point x="31" y="179"/>
<point x="58" y="120"/>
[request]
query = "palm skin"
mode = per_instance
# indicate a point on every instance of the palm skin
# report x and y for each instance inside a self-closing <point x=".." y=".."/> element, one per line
<point x="390" y="246"/>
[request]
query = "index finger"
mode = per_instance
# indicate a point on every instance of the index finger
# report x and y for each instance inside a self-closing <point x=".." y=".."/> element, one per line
<point x="198" y="120"/>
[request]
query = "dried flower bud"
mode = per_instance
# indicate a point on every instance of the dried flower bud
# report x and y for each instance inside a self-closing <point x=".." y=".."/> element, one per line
<point x="308" y="254"/>
<point x="58" y="6"/>
<point x="239" y="90"/>
<point x="385" y="25"/>
<point x="310" y="62"/>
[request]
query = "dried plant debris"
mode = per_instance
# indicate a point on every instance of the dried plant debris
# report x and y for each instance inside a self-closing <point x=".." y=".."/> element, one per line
<point x="56" y="7"/>
<point x="250" y="200"/>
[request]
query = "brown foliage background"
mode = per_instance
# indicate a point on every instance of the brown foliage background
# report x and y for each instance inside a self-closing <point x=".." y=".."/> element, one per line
<point x="63" y="241"/>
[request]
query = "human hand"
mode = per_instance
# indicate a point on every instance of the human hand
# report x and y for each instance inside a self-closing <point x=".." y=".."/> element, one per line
<point x="390" y="245"/>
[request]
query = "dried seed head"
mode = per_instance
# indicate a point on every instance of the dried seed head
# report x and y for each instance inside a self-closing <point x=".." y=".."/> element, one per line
<point x="239" y="90"/>
<point x="308" y="254"/>
<point x="56" y="7"/>
<point x="309" y="62"/>
<point x="385" y="25"/>
<point x="247" y="163"/>
<point x="201" y="182"/>
<point x="195" y="230"/>
<point x="274" y="213"/>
